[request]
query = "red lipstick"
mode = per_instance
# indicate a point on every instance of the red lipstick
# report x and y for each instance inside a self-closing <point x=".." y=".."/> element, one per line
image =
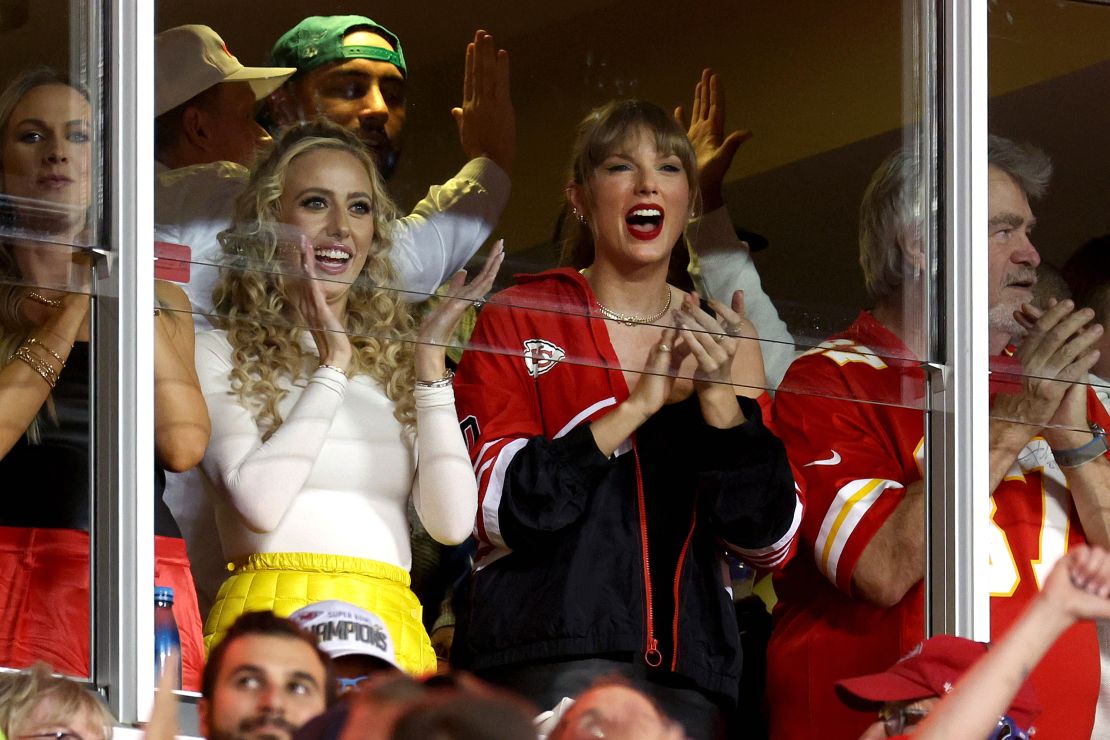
<point x="644" y="221"/>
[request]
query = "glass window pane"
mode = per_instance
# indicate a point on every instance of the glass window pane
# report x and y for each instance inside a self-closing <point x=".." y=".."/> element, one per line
<point x="50" y="248"/>
<point x="779" y="218"/>
<point x="1048" y="66"/>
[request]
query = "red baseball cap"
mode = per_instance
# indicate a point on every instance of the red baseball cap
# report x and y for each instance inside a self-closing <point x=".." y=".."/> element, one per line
<point x="930" y="669"/>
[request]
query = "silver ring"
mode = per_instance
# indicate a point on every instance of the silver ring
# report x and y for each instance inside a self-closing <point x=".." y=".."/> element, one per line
<point x="663" y="347"/>
<point x="734" y="330"/>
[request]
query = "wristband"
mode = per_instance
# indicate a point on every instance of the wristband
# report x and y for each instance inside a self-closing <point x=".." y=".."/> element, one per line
<point x="1094" y="449"/>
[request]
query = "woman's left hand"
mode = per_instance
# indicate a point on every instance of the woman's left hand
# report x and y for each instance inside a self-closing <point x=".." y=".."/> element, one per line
<point x="715" y="343"/>
<point x="438" y="326"/>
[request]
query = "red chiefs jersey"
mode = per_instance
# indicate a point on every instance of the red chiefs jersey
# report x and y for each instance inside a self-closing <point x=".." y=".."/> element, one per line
<point x="851" y="413"/>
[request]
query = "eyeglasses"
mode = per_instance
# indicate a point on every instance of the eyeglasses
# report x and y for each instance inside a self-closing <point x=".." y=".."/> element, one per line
<point x="348" y="684"/>
<point x="59" y="735"/>
<point x="897" y="717"/>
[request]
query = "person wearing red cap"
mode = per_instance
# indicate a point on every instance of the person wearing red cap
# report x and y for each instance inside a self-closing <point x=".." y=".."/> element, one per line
<point x="908" y="691"/>
<point x="950" y="688"/>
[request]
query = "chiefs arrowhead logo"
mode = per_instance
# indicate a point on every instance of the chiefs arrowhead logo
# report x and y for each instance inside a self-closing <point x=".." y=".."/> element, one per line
<point x="541" y="356"/>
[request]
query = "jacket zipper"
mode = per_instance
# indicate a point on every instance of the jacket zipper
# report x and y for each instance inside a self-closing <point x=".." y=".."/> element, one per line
<point x="652" y="656"/>
<point x="677" y="579"/>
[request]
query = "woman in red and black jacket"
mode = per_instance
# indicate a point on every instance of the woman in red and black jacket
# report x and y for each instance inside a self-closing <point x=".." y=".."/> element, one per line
<point x="614" y="455"/>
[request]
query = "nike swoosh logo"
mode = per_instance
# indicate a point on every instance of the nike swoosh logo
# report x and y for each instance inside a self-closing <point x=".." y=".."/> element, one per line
<point x="834" y="460"/>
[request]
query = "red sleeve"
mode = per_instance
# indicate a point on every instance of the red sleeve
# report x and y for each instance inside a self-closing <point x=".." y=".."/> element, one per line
<point x="497" y="409"/>
<point x="852" y="456"/>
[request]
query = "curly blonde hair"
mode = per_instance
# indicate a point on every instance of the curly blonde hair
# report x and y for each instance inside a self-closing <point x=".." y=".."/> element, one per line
<point x="252" y="302"/>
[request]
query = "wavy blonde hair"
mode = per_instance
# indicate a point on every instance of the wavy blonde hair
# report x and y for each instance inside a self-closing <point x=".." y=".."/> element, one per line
<point x="253" y="304"/>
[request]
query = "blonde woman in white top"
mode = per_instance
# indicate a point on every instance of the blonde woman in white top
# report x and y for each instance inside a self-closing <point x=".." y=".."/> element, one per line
<point x="326" y="415"/>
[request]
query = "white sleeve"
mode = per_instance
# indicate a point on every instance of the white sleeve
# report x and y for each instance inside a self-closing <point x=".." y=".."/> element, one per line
<point x="448" y="226"/>
<point x="445" y="492"/>
<point x="261" y="479"/>
<point x="724" y="265"/>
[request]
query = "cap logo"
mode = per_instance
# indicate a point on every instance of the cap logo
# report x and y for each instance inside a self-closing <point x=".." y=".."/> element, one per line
<point x="344" y="629"/>
<point x="224" y="47"/>
<point x="310" y="51"/>
<point x="541" y="356"/>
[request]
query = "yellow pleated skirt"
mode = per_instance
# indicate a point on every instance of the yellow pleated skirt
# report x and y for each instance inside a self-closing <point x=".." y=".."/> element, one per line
<point x="283" y="582"/>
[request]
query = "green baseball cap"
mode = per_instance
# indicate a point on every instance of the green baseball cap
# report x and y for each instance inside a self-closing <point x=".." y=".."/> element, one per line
<point x="318" y="40"/>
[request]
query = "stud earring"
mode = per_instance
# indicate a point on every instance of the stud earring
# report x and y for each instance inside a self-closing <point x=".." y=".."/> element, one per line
<point x="579" y="216"/>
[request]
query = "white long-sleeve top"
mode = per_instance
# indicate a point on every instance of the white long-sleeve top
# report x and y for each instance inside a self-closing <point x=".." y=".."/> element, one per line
<point x="194" y="204"/>
<point x="336" y="475"/>
<point x="724" y="265"/>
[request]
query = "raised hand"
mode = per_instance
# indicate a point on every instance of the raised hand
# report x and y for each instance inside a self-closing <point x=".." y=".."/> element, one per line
<point x="486" y="120"/>
<point x="1079" y="584"/>
<point x="439" y="325"/>
<point x="706" y="132"/>
<point x="329" y="333"/>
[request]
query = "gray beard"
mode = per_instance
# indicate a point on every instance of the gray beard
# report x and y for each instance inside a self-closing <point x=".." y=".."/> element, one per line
<point x="1002" y="319"/>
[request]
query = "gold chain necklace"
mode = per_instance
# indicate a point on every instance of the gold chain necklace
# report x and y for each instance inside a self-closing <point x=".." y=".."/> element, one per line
<point x="629" y="320"/>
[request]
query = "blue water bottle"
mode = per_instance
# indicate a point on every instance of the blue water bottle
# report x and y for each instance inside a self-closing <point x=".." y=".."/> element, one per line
<point x="167" y="640"/>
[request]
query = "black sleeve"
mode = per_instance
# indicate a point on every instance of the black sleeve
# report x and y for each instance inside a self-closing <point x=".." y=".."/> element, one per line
<point x="745" y="479"/>
<point x="548" y="484"/>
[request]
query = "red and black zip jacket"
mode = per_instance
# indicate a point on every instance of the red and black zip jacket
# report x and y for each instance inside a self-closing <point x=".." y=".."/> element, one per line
<point x="582" y="555"/>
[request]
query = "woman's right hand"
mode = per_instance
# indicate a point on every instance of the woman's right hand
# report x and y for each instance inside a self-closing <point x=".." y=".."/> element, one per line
<point x="327" y="330"/>
<point x="648" y="396"/>
<point x="655" y="383"/>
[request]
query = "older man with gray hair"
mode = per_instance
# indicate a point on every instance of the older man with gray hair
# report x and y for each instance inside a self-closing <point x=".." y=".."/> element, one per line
<point x="852" y="601"/>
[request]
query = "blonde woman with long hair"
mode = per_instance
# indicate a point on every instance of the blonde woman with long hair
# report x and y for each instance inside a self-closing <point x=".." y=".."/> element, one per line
<point x="46" y="154"/>
<point x="326" y="414"/>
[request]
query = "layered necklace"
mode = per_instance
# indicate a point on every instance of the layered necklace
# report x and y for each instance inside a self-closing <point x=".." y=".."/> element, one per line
<point x="631" y="319"/>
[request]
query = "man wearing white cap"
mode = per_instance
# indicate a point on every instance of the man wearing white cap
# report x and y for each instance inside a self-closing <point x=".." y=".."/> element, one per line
<point x="204" y="99"/>
<point x="205" y="136"/>
<point x="357" y="641"/>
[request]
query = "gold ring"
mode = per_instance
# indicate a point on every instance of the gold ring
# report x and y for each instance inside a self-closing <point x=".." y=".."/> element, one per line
<point x="664" y="347"/>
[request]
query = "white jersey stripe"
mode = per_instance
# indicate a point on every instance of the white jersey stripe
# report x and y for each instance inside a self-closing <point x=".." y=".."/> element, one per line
<point x="585" y="414"/>
<point x="848" y="508"/>
<point x="491" y="501"/>
<point x="772" y="555"/>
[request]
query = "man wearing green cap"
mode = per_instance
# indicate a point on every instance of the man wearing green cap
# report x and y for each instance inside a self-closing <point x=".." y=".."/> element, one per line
<point x="351" y="70"/>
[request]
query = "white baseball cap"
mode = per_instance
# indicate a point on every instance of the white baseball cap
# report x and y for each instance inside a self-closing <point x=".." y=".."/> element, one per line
<point x="345" y="629"/>
<point x="190" y="59"/>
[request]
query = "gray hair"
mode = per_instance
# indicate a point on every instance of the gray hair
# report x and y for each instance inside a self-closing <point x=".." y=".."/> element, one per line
<point x="1028" y="165"/>
<point x="889" y="217"/>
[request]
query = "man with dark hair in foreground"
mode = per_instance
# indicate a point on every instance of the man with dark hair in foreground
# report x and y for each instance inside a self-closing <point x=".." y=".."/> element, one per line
<point x="265" y="679"/>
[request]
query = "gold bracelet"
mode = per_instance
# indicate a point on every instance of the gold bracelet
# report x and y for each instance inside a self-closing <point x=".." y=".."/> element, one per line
<point x="28" y="356"/>
<point x="336" y="368"/>
<point x="45" y="371"/>
<point x="39" y="298"/>
<point x="31" y="340"/>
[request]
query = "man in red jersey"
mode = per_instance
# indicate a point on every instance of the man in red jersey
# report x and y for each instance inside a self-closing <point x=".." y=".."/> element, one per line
<point x="851" y="602"/>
